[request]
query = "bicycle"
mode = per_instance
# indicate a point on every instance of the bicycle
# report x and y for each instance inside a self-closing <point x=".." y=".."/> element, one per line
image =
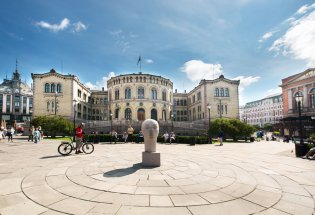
<point x="65" y="148"/>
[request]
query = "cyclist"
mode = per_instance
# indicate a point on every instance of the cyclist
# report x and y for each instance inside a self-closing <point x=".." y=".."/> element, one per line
<point x="79" y="137"/>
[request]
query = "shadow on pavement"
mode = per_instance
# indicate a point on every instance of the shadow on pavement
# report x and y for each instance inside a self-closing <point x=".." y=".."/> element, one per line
<point x="52" y="156"/>
<point x="125" y="171"/>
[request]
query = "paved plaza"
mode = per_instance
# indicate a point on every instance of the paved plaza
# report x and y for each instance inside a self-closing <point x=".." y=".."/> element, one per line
<point x="238" y="178"/>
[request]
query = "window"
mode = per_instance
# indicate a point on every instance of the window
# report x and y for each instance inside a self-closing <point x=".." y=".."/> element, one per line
<point x="79" y="93"/>
<point x="216" y="92"/>
<point x="117" y="113"/>
<point x="164" y="95"/>
<point x="48" y="106"/>
<point x="153" y="94"/>
<point x="198" y="96"/>
<point x="1" y="102"/>
<point x="59" y="90"/>
<point x="227" y="93"/>
<point x="194" y="99"/>
<point x="226" y="110"/>
<point x="116" y="94"/>
<point x="24" y="104"/>
<point x="128" y="114"/>
<point x="164" y="115"/>
<point x="47" y="88"/>
<point x="128" y="93"/>
<point x="312" y="98"/>
<point x="295" y="95"/>
<point x="52" y="88"/>
<point x="30" y="105"/>
<point x="84" y="97"/>
<point x="17" y="103"/>
<point x="221" y="92"/>
<point x="140" y="93"/>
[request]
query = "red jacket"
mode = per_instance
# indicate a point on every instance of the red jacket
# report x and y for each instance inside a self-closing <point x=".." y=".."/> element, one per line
<point x="79" y="132"/>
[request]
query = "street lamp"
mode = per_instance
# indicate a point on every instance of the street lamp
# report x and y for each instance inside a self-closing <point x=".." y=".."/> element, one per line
<point x="74" y="113"/>
<point x="172" y="122"/>
<point x="210" y="138"/>
<point x="299" y="99"/>
<point x="111" y="126"/>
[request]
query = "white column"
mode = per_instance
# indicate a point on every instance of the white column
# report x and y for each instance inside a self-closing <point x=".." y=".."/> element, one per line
<point x="305" y="97"/>
<point x="290" y="99"/>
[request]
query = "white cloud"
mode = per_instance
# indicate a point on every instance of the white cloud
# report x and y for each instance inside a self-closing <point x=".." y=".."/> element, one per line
<point x="305" y="8"/>
<point x="99" y="84"/>
<point x="299" y="40"/>
<point x="79" y="26"/>
<point x="149" y="61"/>
<point x="64" y="24"/>
<point x="197" y="70"/>
<point x="266" y="36"/>
<point x="123" y="39"/>
<point x="54" y="27"/>
<point x="274" y="91"/>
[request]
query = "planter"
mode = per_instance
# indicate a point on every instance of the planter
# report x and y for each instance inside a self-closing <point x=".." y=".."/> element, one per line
<point x="300" y="149"/>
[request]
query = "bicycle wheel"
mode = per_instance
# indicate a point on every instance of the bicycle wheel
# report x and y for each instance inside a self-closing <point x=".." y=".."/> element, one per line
<point x="87" y="148"/>
<point x="65" y="148"/>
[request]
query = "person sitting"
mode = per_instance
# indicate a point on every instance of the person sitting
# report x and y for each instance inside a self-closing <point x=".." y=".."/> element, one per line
<point x="172" y="137"/>
<point x="310" y="154"/>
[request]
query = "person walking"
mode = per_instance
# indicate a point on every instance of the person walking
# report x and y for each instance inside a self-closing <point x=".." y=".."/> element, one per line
<point x="114" y="136"/>
<point x="125" y="137"/>
<point x="130" y="133"/>
<point x="31" y="135"/>
<point x="36" y="136"/>
<point x="79" y="137"/>
<point x="10" y="133"/>
<point x="165" y="136"/>
<point x="220" y="137"/>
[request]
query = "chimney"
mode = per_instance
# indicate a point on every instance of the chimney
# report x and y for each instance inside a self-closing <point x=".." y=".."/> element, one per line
<point x="102" y="88"/>
<point x="175" y="90"/>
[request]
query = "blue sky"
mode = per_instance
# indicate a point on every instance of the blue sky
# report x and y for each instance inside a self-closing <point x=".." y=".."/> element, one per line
<point x="258" y="42"/>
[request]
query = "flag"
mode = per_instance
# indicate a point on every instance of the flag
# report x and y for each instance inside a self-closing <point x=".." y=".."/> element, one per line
<point x="139" y="60"/>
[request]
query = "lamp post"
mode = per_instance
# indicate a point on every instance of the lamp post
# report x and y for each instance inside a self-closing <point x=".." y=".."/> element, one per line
<point x="172" y="122"/>
<point x="299" y="99"/>
<point x="210" y="138"/>
<point x="74" y="114"/>
<point x="111" y="126"/>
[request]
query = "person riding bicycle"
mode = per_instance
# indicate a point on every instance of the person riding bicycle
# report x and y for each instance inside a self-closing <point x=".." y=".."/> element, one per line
<point x="79" y="137"/>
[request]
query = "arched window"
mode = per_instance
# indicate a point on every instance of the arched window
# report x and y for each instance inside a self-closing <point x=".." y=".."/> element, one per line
<point x="227" y="93"/>
<point x="140" y="93"/>
<point x="141" y="114"/>
<point x="117" y="113"/>
<point x="48" y="105"/>
<point x="216" y="92"/>
<point x="154" y="114"/>
<point x="312" y="98"/>
<point x="298" y="94"/>
<point x="128" y="113"/>
<point x="221" y="92"/>
<point x="53" y="88"/>
<point x="59" y="90"/>
<point x="153" y="94"/>
<point x="47" y="88"/>
<point x="163" y="115"/>
<point x="164" y="95"/>
<point x="128" y="93"/>
<point x="117" y="94"/>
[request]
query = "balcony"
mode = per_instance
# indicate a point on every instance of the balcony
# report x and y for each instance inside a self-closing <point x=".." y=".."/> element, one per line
<point x="304" y="110"/>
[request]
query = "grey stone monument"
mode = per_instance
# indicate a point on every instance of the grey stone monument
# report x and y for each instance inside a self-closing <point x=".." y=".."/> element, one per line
<point x="150" y="130"/>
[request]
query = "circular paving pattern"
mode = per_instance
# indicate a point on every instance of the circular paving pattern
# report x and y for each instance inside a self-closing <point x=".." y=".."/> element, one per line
<point x="191" y="180"/>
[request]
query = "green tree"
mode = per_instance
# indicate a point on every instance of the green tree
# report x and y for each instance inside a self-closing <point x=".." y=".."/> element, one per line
<point x="232" y="128"/>
<point x="53" y="125"/>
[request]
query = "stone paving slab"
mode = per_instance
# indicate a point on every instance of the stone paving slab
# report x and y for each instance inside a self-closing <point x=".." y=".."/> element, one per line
<point x="255" y="178"/>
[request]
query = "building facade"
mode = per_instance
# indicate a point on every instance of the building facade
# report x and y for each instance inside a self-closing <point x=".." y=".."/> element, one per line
<point x="301" y="84"/>
<point x="16" y="100"/>
<point x="264" y="111"/>
<point x="132" y="98"/>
